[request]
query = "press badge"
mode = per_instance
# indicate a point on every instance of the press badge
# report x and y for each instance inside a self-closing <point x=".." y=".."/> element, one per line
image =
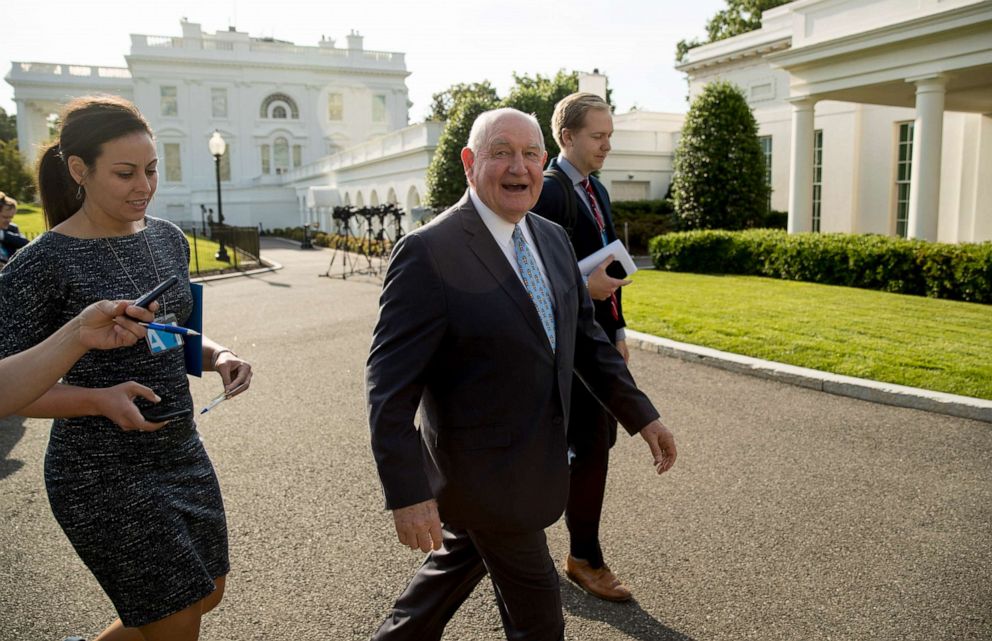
<point x="159" y="341"/>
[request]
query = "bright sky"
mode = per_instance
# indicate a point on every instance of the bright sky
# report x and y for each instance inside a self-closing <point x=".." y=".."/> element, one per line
<point x="632" y="41"/>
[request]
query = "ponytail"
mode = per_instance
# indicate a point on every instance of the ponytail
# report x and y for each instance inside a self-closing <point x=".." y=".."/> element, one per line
<point x="57" y="188"/>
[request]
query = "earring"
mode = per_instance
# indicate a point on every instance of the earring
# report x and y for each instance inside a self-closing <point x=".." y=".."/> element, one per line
<point x="79" y="192"/>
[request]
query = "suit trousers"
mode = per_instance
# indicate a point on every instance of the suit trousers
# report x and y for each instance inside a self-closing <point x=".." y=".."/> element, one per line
<point x="592" y="431"/>
<point x="524" y="577"/>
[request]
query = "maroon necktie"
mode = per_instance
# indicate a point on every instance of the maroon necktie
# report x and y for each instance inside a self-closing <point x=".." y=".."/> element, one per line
<point x="587" y="185"/>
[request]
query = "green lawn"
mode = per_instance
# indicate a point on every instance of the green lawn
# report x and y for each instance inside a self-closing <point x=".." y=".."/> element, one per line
<point x="31" y="222"/>
<point x="204" y="252"/>
<point x="923" y="342"/>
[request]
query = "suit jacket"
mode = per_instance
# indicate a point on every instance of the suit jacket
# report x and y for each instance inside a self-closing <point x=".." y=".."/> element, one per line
<point x="585" y="238"/>
<point x="11" y="240"/>
<point x="459" y="337"/>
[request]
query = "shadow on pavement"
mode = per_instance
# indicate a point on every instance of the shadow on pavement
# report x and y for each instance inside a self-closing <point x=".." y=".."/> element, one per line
<point x="273" y="283"/>
<point x="11" y="431"/>
<point x="629" y="618"/>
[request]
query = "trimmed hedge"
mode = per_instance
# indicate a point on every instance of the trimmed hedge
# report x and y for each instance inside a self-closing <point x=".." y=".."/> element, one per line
<point x="649" y="218"/>
<point x="356" y="244"/>
<point x="938" y="270"/>
<point x="645" y="219"/>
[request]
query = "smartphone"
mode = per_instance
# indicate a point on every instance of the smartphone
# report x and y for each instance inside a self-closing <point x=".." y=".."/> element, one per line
<point x="158" y="415"/>
<point x="151" y="296"/>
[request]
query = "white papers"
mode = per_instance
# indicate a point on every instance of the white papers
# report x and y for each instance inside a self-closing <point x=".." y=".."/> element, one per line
<point x="617" y="250"/>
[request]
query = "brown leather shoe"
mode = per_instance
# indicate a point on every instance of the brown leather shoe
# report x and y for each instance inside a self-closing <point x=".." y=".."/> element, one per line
<point x="599" y="582"/>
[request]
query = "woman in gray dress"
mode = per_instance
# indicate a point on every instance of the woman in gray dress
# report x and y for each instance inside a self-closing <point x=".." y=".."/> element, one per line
<point x="139" y="501"/>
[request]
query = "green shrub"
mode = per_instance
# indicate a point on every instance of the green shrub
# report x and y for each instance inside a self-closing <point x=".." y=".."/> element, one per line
<point x="719" y="170"/>
<point x="774" y="219"/>
<point x="446" y="182"/>
<point x="16" y="179"/>
<point x="938" y="270"/>
<point x="645" y="219"/>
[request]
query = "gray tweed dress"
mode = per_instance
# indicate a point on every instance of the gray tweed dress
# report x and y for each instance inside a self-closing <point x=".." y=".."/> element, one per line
<point x="142" y="509"/>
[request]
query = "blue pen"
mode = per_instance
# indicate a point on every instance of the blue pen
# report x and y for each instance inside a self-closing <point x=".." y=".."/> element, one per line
<point x="172" y="329"/>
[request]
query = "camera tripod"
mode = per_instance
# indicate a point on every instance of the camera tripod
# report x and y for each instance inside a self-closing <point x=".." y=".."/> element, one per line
<point x="342" y="240"/>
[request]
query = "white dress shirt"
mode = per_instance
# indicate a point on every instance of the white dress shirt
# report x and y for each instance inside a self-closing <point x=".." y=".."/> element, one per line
<point x="502" y="232"/>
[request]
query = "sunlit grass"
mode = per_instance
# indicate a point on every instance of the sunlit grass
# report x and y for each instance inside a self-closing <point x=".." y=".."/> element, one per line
<point x="31" y="222"/>
<point x="935" y="344"/>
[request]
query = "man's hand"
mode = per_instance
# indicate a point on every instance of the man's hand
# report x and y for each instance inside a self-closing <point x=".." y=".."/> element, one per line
<point x="662" y="445"/>
<point x="602" y="285"/>
<point x="622" y="348"/>
<point x="419" y="526"/>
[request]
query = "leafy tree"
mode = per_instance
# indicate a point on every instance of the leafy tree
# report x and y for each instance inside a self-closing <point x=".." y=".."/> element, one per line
<point x="8" y="126"/>
<point x="445" y="176"/>
<point x="538" y="96"/>
<point x="15" y="179"/>
<point x="461" y="104"/>
<point x="719" y="172"/>
<point x="444" y="102"/>
<point x="739" y="17"/>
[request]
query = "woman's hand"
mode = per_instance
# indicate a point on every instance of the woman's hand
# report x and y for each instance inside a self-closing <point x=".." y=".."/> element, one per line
<point x="103" y="325"/>
<point x="234" y="371"/>
<point x="117" y="404"/>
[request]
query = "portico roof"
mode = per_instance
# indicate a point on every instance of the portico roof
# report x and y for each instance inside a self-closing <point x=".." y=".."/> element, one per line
<point x="879" y="65"/>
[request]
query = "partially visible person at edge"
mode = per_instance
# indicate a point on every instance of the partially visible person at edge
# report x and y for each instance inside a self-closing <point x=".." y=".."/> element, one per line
<point x="103" y="325"/>
<point x="483" y="318"/>
<point x="138" y="500"/>
<point x="11" y="238"/>
<point x="582" y="126"/>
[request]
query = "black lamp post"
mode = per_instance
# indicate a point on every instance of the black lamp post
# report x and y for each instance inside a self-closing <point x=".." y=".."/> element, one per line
<point x="217" y="147"/>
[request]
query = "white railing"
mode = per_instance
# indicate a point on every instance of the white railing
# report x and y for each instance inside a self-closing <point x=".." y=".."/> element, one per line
<point x="57" y="69"/>
<point x="219" y="45"/>
<point x="279" y="47"/>
<point x="139" y="41"/>
<point x="164" y="42"/>
<point x="113" y="72"/>
<point x="381" y="56"/>
<point x="396" y="142"/>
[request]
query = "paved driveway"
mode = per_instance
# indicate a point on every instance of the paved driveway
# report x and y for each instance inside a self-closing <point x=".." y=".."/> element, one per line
<point x="790" y="515"/>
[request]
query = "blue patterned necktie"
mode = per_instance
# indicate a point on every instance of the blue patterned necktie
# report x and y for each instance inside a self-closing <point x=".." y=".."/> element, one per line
<point x="534" y="284"/>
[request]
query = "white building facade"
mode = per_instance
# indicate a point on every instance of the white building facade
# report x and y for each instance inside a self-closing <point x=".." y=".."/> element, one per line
<point x="280" y="107"/>
<point x="875" y="115"/>
<point x="307" y="128"/>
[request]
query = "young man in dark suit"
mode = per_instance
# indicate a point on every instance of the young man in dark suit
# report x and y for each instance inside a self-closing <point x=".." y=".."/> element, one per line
<point x="575" y="199"/>
<point x="10" y="236"/>
<point x="483" y="318"/>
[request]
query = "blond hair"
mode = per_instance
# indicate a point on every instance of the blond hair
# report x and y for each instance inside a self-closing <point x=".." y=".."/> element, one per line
<point x="570" y="112"/>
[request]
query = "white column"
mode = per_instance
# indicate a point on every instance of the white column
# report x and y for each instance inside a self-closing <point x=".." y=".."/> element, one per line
<point x="928" y="130"/>
<point x="32" y="130"/>
<point x="801" y="166"/>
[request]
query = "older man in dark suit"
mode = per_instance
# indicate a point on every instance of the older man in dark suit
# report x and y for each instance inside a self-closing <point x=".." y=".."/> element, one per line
<point x="482" y="319"/>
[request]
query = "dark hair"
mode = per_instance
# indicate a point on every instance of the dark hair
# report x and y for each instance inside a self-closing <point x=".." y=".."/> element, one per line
<point x="6" y="201"/>
<point x="87" y="123"/>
